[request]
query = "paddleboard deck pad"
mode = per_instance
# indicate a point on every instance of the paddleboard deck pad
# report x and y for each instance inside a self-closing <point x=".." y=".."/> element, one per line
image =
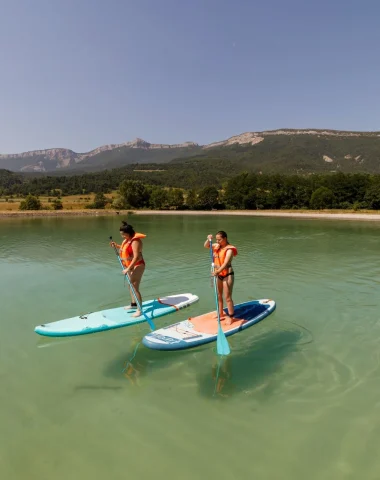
<point x="204" y="328"/>
<point x="115" y="317"/>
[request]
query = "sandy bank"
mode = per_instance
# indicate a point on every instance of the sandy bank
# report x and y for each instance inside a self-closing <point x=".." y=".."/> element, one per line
<point x="330" y="215"/>
<point x="272" y="213"/>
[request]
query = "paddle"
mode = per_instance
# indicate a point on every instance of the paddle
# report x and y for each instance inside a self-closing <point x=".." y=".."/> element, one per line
<point x="222" y="346"/>
<point x="150" y="321"/>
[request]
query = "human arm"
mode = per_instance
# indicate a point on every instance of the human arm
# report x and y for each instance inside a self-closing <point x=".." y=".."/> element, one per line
<point x="208" y="241"/>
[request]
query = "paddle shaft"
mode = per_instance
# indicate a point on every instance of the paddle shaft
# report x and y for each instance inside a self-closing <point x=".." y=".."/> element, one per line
<point x="222" y="346"/>
<point x="214" y="278"/>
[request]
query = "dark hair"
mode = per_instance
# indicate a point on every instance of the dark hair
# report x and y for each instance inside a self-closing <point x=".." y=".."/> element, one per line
<point x="222" y="233"/>
<point x="125" y="228"/>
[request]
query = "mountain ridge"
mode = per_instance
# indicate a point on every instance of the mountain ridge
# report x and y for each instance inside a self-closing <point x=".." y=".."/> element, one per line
<point x="141" y="151"/>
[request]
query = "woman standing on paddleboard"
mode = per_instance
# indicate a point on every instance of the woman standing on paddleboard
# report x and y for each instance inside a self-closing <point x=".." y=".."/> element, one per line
<point x="132" y="260"/>
<point x="223" y="252"/>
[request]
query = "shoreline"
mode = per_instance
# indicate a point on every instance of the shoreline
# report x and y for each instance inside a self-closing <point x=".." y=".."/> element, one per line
<point x="330" y="215"/>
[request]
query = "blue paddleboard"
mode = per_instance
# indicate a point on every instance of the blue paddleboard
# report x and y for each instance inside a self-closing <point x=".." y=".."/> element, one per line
<point x="115" y="317"/>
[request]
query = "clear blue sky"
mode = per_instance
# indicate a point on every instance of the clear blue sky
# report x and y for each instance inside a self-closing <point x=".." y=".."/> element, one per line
<point x="83" y="73"/>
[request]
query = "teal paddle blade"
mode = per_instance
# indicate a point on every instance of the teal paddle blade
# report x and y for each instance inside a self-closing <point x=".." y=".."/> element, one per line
<point x="222" y="346"/>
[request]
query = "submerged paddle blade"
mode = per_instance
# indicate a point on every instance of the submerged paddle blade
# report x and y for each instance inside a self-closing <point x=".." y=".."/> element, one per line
<point x="222" y="346"/>
<point x="150" y="322"/>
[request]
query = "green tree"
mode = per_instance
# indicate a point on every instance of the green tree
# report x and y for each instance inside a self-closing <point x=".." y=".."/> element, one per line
<point x="321" y="198"/>
<point x="208" y="198"/>
<point x="31" y="203"/>
<point x="119" y="203"/>
<point x="251" y="201"/>
<point x="57" y="204"/>
<point x="158" y="198"/>
<point x="372" y="197"/>
<point x="135" y="193"/>
<point x="175" y="198"/>
<point x="238" y="188"/>
<point x="191" y="199"/>
<point x="100" y="200"/>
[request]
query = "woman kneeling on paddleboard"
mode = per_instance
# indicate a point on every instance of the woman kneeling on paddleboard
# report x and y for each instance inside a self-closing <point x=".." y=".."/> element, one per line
<point x="223" y="252"/>
<point x="132" y="260"/>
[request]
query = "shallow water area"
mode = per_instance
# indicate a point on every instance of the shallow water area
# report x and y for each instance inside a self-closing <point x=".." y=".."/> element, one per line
<point x="297" y="398"/>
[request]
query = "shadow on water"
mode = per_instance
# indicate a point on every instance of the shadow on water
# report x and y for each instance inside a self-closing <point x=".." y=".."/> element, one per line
<point x="139" y="361"/>
<point x="249" y="367"/>
<point x="96" y="387"/>
<point x="252" y="369"/>
<point x="131" y="365"/>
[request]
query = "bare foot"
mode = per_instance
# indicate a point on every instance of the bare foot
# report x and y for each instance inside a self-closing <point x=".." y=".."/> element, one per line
<point x="130" y="307"/>
<point x="229" y="320"/>
<point x="137" y="314"/>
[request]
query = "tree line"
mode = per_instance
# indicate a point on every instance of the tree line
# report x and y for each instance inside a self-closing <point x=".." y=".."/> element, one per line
<point x="194" y="174"/>
<point x="251" y="191"/>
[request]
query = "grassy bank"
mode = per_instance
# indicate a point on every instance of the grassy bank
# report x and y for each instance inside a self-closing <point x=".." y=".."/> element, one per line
<point x="69" y="203"/>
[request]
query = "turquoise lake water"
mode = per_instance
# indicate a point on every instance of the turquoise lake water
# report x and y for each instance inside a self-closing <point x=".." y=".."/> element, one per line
<point x="298" y="398"/>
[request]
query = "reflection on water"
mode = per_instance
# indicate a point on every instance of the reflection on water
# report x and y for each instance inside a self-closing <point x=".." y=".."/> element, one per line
<point x="297" y="398"/>
<point x="134" y="367"/>
<point x="243" y="373"/>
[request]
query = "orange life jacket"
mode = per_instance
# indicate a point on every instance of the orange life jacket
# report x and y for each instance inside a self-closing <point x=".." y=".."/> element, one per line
<point x="126" y="251"/>
<point x="220" y="256"/>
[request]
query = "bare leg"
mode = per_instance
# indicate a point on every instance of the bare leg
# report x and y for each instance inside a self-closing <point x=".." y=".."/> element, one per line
<point x="228" y="286"/>
<point x="220" y="297"/>
<point x="133" y="300"/>
<point x="135" y="279"/>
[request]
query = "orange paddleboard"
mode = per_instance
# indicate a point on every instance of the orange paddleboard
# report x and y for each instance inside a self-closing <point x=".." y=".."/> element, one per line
<point x="203" y="329"/>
